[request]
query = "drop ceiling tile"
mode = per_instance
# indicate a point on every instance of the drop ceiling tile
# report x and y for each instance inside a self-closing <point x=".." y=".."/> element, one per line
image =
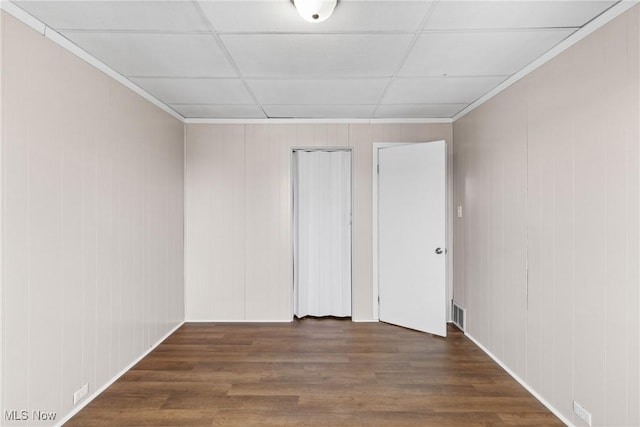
<point x="196" y="91"/>
<point x="319" y="111"/>
<point x="281" y="16"/>
<point x="439" y="90"/>
<point x="479" y="53"/>
<point x="317" y="55"/>
<point x="117" y="15"/>
<point x="418" y="110"/>
<point x="145" y="54"/>
<point x="324" y="92"/>
<point x="514" y="14"/>
<point x="199" y="111"/>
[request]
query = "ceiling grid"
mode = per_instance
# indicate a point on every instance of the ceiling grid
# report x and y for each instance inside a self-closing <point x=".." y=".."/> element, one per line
<point x="393" y="59"/>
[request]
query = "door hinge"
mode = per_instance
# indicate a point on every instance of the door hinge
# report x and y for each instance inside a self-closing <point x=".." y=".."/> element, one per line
<point x="378" y="168"/>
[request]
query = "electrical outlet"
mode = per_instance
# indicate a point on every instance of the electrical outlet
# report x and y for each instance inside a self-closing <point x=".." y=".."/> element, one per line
<point x="80" y="393"/>
<point x="581" y="413"/>
<point x="459" y="211"/>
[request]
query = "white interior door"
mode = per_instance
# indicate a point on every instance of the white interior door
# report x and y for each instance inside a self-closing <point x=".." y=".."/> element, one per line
<point x="412" y="236"/>
<point x="322" y="233"/>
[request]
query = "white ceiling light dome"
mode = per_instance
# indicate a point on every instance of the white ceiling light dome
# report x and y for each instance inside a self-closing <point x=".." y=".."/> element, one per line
<point x="315" y="10"/>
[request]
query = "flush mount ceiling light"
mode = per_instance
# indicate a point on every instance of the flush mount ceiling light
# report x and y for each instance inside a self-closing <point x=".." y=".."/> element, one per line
<point x="315" y="10"/>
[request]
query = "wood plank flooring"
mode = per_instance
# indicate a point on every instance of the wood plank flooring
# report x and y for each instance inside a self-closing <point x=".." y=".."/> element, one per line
<point x="314" y="372"/>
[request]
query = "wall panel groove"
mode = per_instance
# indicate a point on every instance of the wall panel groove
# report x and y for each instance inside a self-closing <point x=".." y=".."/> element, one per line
<point x="562" y="145"/>
<point x="251" y="163"/>
<point x="92" y="210"/>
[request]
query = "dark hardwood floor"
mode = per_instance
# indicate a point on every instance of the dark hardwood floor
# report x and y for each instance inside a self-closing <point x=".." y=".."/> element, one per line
<point x="314" y="372"/>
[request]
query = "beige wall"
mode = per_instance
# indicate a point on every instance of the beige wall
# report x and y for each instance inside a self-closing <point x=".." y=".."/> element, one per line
<point x="238" y="213"/>
<point x="547" y="173"/>
<point x="92" y="197"/>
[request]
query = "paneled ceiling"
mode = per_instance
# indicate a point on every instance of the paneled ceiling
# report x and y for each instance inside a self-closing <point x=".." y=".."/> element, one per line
<point x="371" y="59"/>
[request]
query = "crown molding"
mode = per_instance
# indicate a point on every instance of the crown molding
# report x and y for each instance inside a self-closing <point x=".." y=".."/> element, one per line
<point x="29" y="20"/>
<point x="67" y="44"/>
<point x="319" y="121"/>
<point x="595" y="24"/>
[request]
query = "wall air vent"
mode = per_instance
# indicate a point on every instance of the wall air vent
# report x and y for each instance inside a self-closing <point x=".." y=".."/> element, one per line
<point x="458" y="315"/>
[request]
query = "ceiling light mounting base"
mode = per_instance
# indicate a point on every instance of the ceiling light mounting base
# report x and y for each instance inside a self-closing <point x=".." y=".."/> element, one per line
<point x="315" y="10"/>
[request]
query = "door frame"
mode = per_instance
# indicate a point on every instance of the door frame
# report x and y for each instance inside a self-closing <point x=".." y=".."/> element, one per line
<point x="292" y="222"/>
<point x="374" y="225"/>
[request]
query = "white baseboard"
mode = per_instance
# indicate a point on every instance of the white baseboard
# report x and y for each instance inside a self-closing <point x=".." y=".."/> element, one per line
<point x="521" y="381"/>
<point x="265" y="321"/>
<point x="237" y="321"/>
<point x="96" y="393"/>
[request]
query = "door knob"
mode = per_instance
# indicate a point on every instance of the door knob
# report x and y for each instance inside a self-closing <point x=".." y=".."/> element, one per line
<point x="438" y="251"/>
